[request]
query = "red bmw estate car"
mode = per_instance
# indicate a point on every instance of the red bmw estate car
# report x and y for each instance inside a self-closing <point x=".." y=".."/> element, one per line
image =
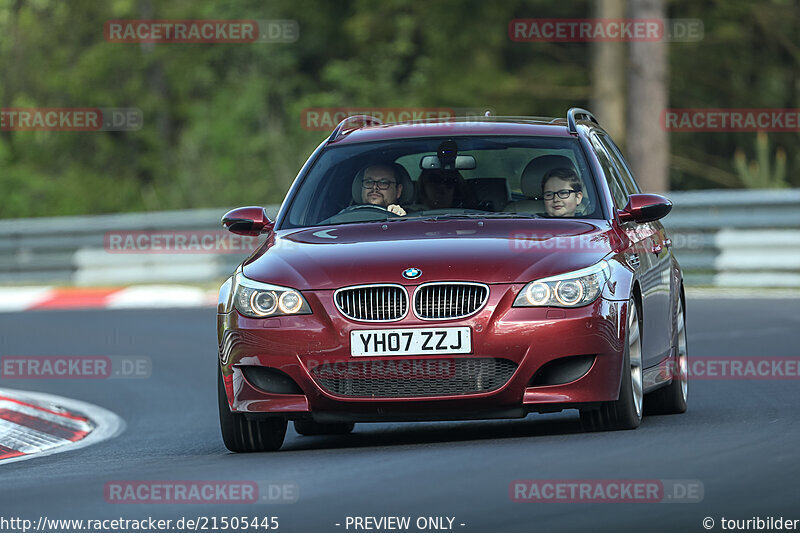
<point x="450" y="270"/>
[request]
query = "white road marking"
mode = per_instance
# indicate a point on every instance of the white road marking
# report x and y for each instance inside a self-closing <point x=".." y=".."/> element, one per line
<point x="71" y="423"/>
<point x="742" y="293"/>
<point x="27" y="440"/>
<point x="107" y="425"/>
<point x="153" y="296"/>
<point x="22" y="298"/>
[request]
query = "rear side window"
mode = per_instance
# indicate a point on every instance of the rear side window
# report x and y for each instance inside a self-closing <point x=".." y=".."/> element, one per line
<point x="616" y="156"/>
<point x="611" y="171"/>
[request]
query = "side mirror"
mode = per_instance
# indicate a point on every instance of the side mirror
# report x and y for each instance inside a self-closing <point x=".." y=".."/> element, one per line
<point x="248" y="221"/>
<point x="645" y="208"/>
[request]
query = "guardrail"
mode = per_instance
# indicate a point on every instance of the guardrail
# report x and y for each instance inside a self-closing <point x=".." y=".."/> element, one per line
<point x="747" y="238"/>
<point x="75" y="251"/>
<point x="743" y="238"/>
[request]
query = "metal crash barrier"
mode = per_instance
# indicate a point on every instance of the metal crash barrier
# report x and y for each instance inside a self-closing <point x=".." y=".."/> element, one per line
<point x="724" y="238"/>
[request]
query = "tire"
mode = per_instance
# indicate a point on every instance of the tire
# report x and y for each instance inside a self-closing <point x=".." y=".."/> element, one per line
<point x="626" y="411"/>
<point x="242" y="435"/>
<point x="671" y="399"/>
<point x="311" y="428"/>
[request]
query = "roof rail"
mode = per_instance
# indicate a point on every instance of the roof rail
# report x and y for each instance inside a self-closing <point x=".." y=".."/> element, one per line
<point x="575" y="112"/>
<point x="353" y="123"/>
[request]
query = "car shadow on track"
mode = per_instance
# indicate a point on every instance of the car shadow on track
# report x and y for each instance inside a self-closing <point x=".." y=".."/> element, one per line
<point x="366" y="435"/>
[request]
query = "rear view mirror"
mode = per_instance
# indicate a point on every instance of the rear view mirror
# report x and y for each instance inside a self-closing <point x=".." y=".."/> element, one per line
<point x="645" y="208"/>
<point x="462" y="162"/>
<point x="248" y="221"/>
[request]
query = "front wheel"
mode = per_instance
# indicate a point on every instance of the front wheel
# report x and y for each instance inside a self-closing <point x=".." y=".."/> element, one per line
<point x="672" y="398"/>
<point x="242" y="435"/>
<point x="626" y="411"/>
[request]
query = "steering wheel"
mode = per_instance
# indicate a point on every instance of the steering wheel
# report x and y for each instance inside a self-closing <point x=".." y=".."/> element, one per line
<point x="363" y="206"/>
<point x="360" y="213"/>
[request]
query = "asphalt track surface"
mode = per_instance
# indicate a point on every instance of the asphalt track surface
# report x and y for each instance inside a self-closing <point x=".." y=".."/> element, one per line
<point x="741" y="439"/>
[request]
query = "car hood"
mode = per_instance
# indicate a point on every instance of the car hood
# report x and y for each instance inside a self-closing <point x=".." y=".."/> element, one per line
<point x="489" y="251"/>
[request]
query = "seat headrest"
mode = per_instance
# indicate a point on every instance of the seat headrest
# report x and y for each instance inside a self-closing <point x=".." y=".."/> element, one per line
<point x="493" y="193"/>
<point x="531" y="182"/>
<point x="525" y="206"/>
<point x="400" y="174"/>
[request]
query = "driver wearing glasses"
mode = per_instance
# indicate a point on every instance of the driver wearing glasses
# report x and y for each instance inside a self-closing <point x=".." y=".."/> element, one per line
<point x="379" y="187"/>
<point x="562" y="192"/>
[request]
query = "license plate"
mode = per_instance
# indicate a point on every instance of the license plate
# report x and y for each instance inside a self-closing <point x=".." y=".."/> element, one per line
<point x="417" y="341"/>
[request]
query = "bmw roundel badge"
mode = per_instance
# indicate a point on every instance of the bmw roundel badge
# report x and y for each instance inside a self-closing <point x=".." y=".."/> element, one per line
<point x="412" y="273"/>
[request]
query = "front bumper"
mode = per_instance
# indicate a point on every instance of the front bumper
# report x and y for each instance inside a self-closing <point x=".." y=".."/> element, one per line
<point x="529" y="337"/>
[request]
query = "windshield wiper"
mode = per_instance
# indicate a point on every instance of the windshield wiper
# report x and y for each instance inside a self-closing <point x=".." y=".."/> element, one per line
<point x="478" y="215"/>
<point x="434" y="218"/>
<point x="508" y="215"/>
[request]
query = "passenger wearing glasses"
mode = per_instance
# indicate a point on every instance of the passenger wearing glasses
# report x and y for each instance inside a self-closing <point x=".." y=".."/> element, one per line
<point x="442" y="189"/>
<point x="562" y="192"/>
<point x="380" y="187"/>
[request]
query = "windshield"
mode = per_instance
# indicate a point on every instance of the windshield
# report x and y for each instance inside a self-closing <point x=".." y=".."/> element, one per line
<point x="459" y="177"/>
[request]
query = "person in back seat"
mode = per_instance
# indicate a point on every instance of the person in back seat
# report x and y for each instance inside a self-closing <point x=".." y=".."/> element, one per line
<point x="441" y="189"/>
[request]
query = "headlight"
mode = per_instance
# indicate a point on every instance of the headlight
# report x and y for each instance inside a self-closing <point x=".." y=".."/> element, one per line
<point x="259" y="300"/>
<point x="572" y="289"/>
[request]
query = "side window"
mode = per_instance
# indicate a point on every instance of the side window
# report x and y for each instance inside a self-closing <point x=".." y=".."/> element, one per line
<point x="616" y="156"/>
<point x="612" y="173"/>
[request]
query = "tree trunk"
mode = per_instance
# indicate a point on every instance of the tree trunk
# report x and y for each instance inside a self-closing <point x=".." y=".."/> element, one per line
<point x="14" y="73"/>
<point x="648" y="142"/>
<point x="608" y="75"/>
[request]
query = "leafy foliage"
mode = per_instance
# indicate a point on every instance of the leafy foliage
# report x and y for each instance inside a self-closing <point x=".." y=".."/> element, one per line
<point x="760" y="173"/>
<point x="222" y="122"/>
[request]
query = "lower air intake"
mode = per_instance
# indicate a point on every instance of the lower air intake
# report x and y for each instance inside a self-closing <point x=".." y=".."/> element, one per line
<point x="405" y="378"/>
